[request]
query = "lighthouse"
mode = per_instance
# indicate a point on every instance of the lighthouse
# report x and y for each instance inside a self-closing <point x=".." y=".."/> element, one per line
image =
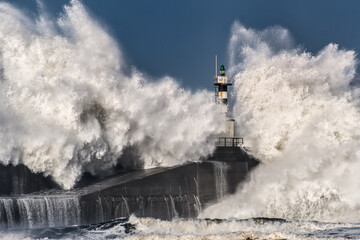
<point x="221" y="84"/>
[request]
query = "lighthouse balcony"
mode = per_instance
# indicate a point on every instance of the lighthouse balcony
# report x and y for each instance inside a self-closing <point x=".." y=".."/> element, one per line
<point x="223" y="80"/>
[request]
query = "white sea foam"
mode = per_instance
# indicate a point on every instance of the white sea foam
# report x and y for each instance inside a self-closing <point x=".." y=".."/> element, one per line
<point x="299" y="115"/>
<point x="70" y="104"/>
<point x="149" y="228"/>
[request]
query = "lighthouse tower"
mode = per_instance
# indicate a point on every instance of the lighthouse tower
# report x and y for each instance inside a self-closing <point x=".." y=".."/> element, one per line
<point x="221" y="83"/>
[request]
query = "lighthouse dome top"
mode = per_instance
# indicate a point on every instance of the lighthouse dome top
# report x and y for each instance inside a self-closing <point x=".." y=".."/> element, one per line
<point x="222" y="70"/>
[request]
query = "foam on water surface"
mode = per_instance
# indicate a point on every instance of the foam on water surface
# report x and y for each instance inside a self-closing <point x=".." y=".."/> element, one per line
<point x="148" y="228"/>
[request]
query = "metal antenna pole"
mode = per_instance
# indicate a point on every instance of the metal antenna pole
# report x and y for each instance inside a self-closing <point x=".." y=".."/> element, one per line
<point x="215" y="65"/>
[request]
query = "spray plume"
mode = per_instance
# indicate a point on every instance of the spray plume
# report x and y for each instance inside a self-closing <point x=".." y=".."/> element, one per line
<point x="67" y="105"/>
<point x="299" y="115"/>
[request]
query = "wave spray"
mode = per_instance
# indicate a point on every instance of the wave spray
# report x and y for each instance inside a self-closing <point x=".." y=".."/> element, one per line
<point x="69" y="103"/>
<point x="299" y="114"/>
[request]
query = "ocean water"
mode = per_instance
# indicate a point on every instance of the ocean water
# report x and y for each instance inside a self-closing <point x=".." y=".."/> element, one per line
<point x="68" y="107"/>
<point x="148" y="228"/>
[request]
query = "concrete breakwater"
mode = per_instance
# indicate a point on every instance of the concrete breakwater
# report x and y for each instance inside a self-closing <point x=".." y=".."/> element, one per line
<point x="164" y="193"/>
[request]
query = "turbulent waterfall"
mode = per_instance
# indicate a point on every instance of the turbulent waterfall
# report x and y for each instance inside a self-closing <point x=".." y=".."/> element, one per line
<point x="40" y="211"/>
<point x="221" y="184"/>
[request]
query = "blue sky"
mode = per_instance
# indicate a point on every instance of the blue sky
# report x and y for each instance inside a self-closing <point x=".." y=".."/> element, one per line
<point x="180" y="38"/>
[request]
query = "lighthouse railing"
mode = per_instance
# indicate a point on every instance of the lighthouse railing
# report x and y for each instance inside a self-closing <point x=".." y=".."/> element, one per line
<point x="229" y="142"/>
<point x="228" y="80"/>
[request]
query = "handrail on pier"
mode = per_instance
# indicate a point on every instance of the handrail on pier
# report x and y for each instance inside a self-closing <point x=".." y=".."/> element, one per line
<point x="229" y="142"/>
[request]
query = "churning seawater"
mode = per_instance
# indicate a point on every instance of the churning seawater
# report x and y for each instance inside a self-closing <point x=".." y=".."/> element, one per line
<point x="67" y="106"/>
<point x="148" y="228"/>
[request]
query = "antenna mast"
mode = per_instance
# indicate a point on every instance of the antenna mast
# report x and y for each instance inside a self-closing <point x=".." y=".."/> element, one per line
<point x="215" y="65"/>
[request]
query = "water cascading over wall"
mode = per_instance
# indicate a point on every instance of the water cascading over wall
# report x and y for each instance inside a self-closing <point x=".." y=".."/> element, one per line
<point x="220" y="169"/>
<point x="39" y="211"/>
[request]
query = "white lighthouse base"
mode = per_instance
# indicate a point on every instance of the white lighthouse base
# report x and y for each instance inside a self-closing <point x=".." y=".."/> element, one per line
<point x="227" y="138"/>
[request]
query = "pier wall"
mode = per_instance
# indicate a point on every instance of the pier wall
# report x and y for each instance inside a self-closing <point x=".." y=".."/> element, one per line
<point x="177" y="192"/>
<point x="15" y="180"/>
<point x="163" y="193"/>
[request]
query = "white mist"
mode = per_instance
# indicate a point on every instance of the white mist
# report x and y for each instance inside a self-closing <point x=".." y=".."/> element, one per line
<point x="67" y="106"/>
<point x="299" y="115"/>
